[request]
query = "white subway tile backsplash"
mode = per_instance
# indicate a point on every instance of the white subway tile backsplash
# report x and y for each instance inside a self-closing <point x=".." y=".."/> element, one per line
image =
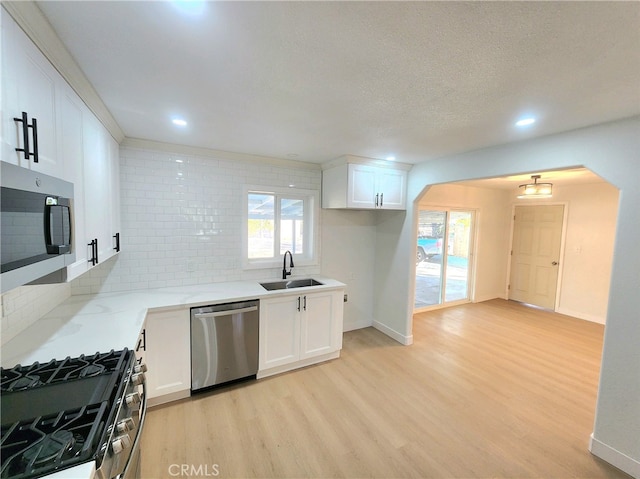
<point x="23" y="306"/>
<point x="182" y="220"/>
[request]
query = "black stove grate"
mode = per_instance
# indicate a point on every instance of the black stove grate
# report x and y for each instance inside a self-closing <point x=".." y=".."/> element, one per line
<point x="48" y="444"/>
<point x="56" y="415"/>
<point x="36" y="375"/>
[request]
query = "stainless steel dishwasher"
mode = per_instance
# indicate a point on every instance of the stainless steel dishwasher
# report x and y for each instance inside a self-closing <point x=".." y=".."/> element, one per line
<point x="224" y="343"/>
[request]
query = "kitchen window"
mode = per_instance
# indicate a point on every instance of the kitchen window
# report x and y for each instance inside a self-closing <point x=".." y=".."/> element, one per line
<point x="279" y="220"/>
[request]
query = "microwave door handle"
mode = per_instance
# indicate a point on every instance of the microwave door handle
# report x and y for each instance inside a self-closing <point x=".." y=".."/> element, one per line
<point x="48" y="229"/>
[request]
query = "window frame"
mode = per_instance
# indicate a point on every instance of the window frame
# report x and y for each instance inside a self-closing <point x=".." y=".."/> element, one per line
<point x="311" y="215"/>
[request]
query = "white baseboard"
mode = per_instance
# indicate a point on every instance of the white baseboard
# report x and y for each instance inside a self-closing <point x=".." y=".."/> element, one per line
<point x="265" y="373"/>
<point x="357" y="325"/>
<point x="580" y="315"/>
<point x="487" y="297"/>
<point x="614" y="457"/>
<point x="392" y="333"/>
<point x="165" y="398"/>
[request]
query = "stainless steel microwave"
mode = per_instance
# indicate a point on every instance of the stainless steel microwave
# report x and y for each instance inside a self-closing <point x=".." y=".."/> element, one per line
<point x="37" y="227"/>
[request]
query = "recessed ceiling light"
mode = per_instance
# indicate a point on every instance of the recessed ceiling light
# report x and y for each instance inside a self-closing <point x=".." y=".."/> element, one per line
<point x="193" y="8"/>
<point x="391" y="158"/>
<point x="526" y="121"/>
<point x="179" y="122"/>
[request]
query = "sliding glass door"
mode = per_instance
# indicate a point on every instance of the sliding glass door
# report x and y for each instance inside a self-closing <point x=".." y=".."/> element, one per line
<point x="443" y="255"/>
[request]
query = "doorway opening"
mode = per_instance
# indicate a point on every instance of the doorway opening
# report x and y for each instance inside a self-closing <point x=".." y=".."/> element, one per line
<point x="443" y="260"/>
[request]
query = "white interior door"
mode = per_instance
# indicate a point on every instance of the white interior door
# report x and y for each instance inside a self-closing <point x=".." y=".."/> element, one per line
<point x="535" y="254"/>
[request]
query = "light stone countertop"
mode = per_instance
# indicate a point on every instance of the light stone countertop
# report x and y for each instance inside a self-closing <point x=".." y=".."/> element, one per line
<point x="87" y="324"/>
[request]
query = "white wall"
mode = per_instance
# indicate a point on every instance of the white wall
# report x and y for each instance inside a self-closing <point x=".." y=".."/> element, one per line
<point x="612" y="151"/>
<point x="492" y="232"/>
<point x="348" y="255"/>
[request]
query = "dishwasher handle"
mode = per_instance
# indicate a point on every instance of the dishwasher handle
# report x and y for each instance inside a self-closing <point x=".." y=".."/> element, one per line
<point x="225" y="313"/>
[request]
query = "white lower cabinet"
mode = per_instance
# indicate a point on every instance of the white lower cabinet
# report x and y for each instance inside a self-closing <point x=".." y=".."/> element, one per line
<point x="296" y="330"/>
<point x="167" y="355"/>
<point x="299" y="329"/>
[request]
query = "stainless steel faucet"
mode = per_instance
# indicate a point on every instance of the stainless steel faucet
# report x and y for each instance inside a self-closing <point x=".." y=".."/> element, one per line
<point x="286" y="273"/>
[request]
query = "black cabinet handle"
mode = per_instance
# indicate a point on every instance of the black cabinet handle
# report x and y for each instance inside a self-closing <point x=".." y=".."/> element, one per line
<point x="94" y="251"/>
<point x="305" y="304"/>
<point x="377" y="199"/>
<point x="117" y="237"/>
<point x="142" y="341"/>
<point x="34" y="127"/>
<point x="92" y="260"/>
<point x="298" y="303"/>
<point x="25" y="137"/>
<point x="381" y="199"/>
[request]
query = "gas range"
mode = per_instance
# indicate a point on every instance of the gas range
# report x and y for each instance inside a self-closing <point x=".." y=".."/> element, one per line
<point x="72" y="411"/>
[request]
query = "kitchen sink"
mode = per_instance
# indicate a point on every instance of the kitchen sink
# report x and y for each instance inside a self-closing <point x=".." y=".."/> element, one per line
<point x="294" y="283"/>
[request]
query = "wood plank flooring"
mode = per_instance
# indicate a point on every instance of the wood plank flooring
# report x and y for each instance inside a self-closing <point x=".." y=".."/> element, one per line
<point x="488" y="390"/>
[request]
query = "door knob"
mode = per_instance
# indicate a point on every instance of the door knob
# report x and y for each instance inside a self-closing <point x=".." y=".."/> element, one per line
<point x="554" y="263"/>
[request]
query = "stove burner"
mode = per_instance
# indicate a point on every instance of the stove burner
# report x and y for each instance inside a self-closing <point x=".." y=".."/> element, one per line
<point x="57" y="444"/>
<point x="25" y="382"/>
<point x="92" y="370"/>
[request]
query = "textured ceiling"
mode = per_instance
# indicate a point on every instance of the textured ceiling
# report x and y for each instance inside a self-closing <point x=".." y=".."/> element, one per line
<point x="416" y="80"/>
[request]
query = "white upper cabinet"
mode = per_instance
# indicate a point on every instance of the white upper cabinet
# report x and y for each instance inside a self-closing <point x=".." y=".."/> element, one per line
<point x="92" y="157"/>
<point x="29" y="84"/>
<point x="100" y="200"/>
<point x="361" y="183"/>
<point x="72" y="143"/>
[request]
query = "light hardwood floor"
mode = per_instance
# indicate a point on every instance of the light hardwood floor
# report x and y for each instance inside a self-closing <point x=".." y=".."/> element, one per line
<point x="488" y="390"/>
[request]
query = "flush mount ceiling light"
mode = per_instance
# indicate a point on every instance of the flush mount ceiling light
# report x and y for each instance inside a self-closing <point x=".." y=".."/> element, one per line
<point x="179" y="122"/>
<point x="535" y="189"/>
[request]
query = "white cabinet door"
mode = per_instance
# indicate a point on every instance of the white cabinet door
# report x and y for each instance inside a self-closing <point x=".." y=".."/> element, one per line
<point x="9" y="75"/>
<point x="167" y="353"/>
<point x="319" y="329"/>
<point x="371" y="187"/>
<point x="98" y="187"/>
<point x="71" y="127"/>
<point x="391" y="187"/>
<point x="93" y="168"/>
<point x="298" y="327"/>
<point x="114" y="193"/>
<point x="362" y="186"/>
<point x="31" y="88"/>
<point x="279" y="331"/>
